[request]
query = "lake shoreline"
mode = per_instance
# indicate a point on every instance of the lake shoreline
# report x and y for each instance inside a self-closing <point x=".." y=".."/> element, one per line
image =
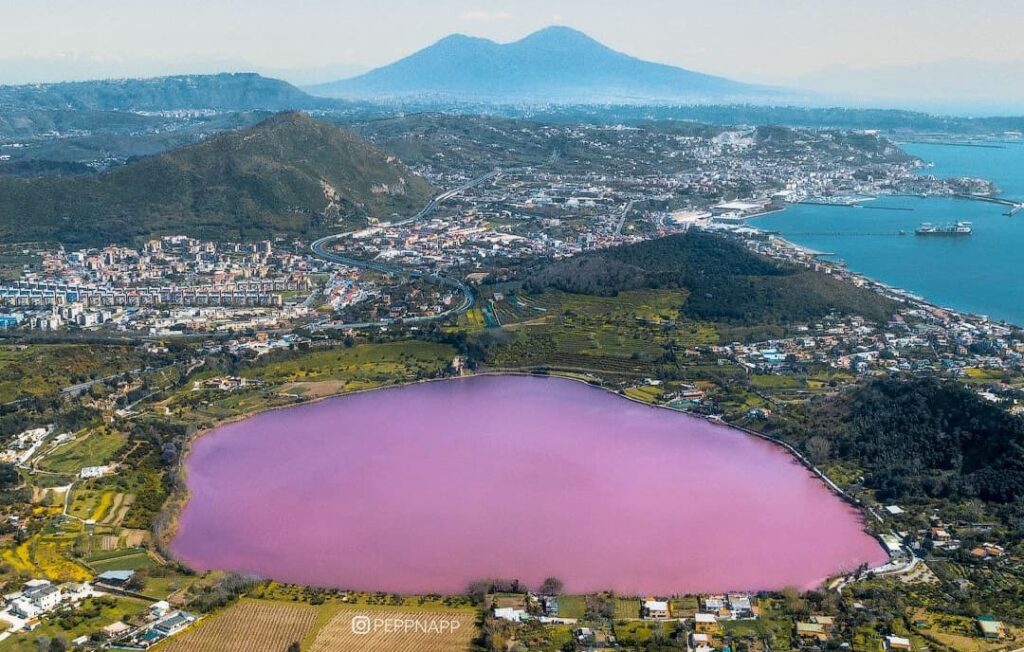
<point x="181" y="497"/>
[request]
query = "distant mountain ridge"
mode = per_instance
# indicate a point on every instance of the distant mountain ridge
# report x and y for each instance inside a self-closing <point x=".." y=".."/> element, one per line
<point x="289" y="175"/>
<point x="220" y="92"/>
<point x="958" y="85"/>
<point x="556" y="64"/>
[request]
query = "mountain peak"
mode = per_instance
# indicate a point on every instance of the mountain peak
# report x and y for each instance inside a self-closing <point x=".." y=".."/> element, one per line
<point x="288" y="119"/>
<point x="554" y="64"/>
<point x="460" y="40"/>
<point x="559" y="34"/>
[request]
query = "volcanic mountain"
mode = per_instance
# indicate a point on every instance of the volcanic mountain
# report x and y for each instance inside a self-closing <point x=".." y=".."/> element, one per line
<point x="556" y="64"/>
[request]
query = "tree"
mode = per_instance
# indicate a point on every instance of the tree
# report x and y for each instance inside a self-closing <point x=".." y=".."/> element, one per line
<point x="818" y="449"/>
<point x="137" y="582"/>
<point x="551" y="586"/>
<point x="794" y="601"/>
<point x="294" y="647"/>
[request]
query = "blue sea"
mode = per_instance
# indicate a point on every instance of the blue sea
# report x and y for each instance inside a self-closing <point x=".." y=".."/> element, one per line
<point x="983" y="273"/>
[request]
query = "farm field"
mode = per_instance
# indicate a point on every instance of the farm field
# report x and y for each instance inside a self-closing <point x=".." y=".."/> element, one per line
<point x="362" y="366"/>
<point x="637" y="632"/>
<point x="572" y="606"/>
<point x="249" y="626"/>
<point x="368" y="629"/>
<point x="684" y="607"/>
<point x="105" y="507"/>
<point x="47" y="556"/>
<point x="128" y="559"/>
<point x="627" y="608"/>
<point x="961" y="633"/>
<point x="624" y="335"/>
<point x="50" y="496"/>
<point x="647" y="393"/>
<point x="775" y="381"/>
<point x="94" y="449"/>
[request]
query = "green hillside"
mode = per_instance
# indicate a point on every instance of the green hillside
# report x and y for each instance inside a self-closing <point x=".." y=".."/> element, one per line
<point x="220" y="92"/>
<point x="917" y="438"/>
<point x="726" y="282"/>
<point x="287" y="175"/>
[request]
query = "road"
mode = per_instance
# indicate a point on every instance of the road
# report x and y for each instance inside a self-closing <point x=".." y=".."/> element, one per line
<point x="75" y="390"/>
<point x="445" y="196"/>
<point x="904" y="562"/>
<point x="622" y="220"/>
<point x="321" y="248"/>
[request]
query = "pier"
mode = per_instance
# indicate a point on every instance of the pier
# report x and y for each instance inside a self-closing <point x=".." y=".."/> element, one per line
<point x="1014" y="207"/>
<point x="836" y="234"/>
<point x="854" y="204"/>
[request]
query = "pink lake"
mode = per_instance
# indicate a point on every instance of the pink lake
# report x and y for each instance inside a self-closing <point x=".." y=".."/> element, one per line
<point x="427" y="487"/>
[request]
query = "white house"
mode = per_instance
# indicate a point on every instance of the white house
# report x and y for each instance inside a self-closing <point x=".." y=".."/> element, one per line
<point x="656" y="608"/>
<point x="714" y="604"/>
<point x="510" y="613"/>
<point x="174" y="623"/>
<point x="741" y="606"/>
<point x="24" y="609"/>
<point x="159" y="609"/>
<point x="897" y="643"/>
<point x="37" y="599"/>
<point x="701" y="642"/>
<point x="94" y="472"/>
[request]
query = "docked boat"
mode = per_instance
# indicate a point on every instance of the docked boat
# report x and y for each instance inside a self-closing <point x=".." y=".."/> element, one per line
<point x="956" y="228"/>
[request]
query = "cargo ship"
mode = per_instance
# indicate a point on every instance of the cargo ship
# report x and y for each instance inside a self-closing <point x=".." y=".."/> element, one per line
<point x="956" y="228"/>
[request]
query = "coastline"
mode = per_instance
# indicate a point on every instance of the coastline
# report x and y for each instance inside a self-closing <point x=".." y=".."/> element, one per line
<point x="1003" y="178"/>
<point x="891" y="291"/>
<point x="888" y="290"/>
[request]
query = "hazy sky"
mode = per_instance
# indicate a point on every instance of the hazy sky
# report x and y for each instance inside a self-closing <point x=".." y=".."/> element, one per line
<point x="757" y="40"/>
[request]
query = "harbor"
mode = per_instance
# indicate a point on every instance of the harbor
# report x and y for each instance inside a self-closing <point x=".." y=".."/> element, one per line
<point x="869" y="242"/>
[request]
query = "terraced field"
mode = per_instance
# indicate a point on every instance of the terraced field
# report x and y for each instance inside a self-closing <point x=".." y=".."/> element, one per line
<point x="118" y="509"/>
<point x="104" y="507"/>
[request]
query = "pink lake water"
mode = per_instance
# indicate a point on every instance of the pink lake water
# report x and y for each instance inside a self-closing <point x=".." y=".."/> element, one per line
<point x="428" y="487"/>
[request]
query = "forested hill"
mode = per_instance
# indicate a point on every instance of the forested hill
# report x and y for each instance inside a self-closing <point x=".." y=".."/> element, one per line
<point x="222" y="92"/>
<point x="726" y="282"/>
<point x="922" y="437"/>
<point x="288" y="175"/>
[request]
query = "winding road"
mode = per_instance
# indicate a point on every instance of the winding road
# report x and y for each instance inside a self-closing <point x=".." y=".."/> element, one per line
<point x="321" y="248"/>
